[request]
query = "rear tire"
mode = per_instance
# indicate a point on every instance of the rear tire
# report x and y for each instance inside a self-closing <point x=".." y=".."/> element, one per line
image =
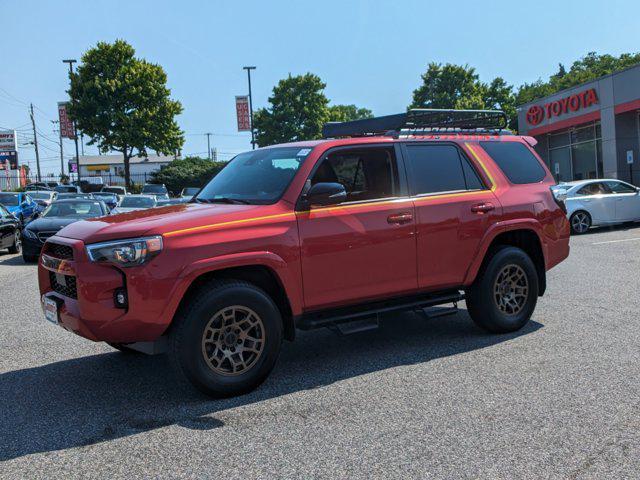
<point x="505" y="293"/>
<point x="226" y="339"/>
<point x="580" y="222"/>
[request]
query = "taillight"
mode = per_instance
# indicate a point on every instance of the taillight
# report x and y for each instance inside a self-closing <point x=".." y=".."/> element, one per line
<point x="559" y="196"/>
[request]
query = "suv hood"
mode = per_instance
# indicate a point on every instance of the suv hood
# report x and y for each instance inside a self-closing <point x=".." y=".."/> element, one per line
<point x="156" y="221"/>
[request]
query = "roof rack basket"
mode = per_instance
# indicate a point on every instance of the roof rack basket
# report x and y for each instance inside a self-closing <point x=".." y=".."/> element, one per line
<point x="421" y="120"/>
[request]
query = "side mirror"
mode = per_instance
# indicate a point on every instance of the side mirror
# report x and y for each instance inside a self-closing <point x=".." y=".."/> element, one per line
<point x="322" y="194"/>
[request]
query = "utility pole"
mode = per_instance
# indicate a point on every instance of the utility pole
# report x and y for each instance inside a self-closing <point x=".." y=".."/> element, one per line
<point x="61" y="152"/>
<point x="75" y="129"/>
<point x="35" y="142"/>
<point x="253" y="140"/>
<point x="208" y="145"/>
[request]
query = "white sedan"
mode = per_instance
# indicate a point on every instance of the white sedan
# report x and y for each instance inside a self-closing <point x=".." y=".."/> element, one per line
<point x="599" y="202"/>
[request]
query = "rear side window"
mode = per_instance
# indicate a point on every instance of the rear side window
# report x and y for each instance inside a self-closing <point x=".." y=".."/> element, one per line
<point x="516" y="161"/>
<point x="440" y="168"/>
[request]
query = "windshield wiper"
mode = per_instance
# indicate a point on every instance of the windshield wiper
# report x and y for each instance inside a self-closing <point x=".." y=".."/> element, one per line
<point x="225" y="200"/>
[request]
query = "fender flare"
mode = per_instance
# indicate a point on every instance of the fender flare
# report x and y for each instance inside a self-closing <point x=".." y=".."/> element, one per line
<point x="502" y="227"/>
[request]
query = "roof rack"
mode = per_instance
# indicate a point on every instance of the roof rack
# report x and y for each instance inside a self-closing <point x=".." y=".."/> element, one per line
<point x="422" y="120"/>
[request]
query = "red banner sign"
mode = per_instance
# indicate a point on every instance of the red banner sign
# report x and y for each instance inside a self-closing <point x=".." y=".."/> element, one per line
<point x="537" y="113"/>
<point x="243" y="114"/>
<point x="66" y="125"/>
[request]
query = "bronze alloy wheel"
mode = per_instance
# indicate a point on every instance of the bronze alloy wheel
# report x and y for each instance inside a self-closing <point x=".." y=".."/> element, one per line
<point x="511" y="289"/>
<point x="233" y="340"/>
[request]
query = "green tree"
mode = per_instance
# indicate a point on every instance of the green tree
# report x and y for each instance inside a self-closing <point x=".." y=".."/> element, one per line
<point x="122" y="103"/>
<point x="346" y="113"/>
<point x="298" y="109"/>
<point x="459" y="87"/>
<point x="186" y="172"/>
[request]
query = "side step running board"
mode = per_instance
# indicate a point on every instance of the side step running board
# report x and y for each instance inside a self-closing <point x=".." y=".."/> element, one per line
<point x="329" y="318"/>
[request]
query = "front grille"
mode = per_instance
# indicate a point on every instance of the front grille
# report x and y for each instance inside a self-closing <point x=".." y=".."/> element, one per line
<point x="63" y="284"/>
<point x="57" y="250"/>
<point x="42" y="236"/>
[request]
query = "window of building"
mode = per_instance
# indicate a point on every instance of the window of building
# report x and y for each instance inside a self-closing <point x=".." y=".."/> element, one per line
<point x="440" y="168"/>
<point x="516" y="161"/>
<point x="576" y="154"/>
<point x="366" y="173"/>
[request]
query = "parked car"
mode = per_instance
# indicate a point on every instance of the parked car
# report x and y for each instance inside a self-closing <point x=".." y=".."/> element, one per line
<point x="77" y="196"/>
<point x="57" y="216"/>
<point x="400" y="212"/>
<point x="131" y="203"/>
<point x="157" y="190"/>
<point x="10" y="236"/>
<point x="117" y="189"/>
<point x="67" y="189"/>
<point x="188" y="193"/>
<point x="593" y="203"/>
<point x="90" y="184"/>
<point x="111" y="199"/>
<point x="43" y="197"/>
<point x="21" y="205"/>
<point x="40" y="186"/>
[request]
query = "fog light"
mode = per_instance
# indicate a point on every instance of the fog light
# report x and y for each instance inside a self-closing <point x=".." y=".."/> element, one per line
<point x="120" y="298"/>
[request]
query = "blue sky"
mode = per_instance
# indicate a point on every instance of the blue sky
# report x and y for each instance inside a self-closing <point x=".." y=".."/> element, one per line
<point x="370" y="53"/>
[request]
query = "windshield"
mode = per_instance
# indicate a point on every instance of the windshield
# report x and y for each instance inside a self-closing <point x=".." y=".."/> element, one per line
<point x="73" y="195"/>
<point x="154" y="189"/>
<point x="259" y="177"/>
<point x="137" y="202"/>
<point x="104" y="195"/>
<point x="65" y="188"/>
<point x="73" y="209"/>
<point x="190" y="191"/>
<point x="40" y="195"/>
<point x="9" y="199"/>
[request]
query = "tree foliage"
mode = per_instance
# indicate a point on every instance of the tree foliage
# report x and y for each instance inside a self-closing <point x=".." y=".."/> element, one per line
<point x="186" y="172"/>
<point x="122" y="103"/>
<point x="585" y="69"/>
<point x="459" y="87"/>
<point x="298" y="109"/>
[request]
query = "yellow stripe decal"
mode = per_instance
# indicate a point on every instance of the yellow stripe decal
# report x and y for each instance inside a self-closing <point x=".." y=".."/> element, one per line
<point x="484" y="168"/>
<point x="225" y="224"/>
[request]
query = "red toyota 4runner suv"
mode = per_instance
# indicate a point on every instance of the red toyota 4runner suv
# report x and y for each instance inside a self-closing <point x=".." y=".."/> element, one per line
<point x="400" y="212"/>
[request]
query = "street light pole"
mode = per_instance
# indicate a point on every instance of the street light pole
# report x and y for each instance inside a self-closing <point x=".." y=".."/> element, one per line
<point x="55" y="122"/>
<point x="208" y="145"/>
<point x="253" y="140"/>
<point x="75" y="129"/>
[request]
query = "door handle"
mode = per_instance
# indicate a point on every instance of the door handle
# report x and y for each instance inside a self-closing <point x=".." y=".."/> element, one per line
<point x="482" y="207"/>
<point x="399" y="218"/>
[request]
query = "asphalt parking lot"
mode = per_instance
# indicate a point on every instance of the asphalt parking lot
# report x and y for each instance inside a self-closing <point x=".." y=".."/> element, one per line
<point x="415" y="399"/>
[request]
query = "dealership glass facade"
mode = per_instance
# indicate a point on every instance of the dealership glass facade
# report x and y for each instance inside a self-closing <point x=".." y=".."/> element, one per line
<point x="576" y="154"/>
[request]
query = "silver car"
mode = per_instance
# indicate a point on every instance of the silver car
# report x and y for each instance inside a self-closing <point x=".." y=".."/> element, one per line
<point x="599" y="202"/>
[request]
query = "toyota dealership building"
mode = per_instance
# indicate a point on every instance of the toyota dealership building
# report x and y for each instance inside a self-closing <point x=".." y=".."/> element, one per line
<point x="590" y="130"/>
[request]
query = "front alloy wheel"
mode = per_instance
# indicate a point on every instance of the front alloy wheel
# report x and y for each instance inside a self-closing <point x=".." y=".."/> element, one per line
<point x="233" y="340"/>
<point x="17" y="243"/>
<point x="580" y="222"/>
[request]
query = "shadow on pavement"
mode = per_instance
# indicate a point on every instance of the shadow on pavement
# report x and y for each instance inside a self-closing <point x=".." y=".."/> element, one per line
<point x="97" y="398"/>
<point x="12" y="259"/>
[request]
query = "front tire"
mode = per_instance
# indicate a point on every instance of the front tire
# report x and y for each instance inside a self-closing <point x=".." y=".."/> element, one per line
<point x="226" y="338"/>
<point x="29" y="258"/>
<point x="17" y="243"/>
<point x="580" y="222"/>
<point x="505" y="293"/>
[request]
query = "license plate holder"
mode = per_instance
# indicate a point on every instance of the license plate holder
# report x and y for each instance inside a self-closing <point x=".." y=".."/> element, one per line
<point x="50" y="307"/>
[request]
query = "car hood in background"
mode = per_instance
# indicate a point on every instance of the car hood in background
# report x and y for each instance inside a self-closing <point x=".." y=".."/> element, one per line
<point x="158" y="221"/>
<point x="50" y="224"/>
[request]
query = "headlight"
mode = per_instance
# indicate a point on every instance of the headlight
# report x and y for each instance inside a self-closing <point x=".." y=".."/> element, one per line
<point x="29" y="234"/>
<point x="126" y="253"/>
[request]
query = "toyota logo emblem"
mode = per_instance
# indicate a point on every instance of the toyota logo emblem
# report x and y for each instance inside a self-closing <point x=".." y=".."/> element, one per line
<point x="535" y="114"/>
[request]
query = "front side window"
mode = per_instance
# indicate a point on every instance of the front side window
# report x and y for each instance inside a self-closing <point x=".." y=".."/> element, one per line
<point x="440" y="168"/>
<point x="365" y="173"/>
<point x="620" y="187"/>
<point x="256" y="177"/>
<point x="516" y="161"/>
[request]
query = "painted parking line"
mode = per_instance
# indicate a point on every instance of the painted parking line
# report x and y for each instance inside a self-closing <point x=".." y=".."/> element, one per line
<point x="617" y="241"/>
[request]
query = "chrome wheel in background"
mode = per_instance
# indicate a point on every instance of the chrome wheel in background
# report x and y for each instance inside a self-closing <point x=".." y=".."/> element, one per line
<point x="580" y="222"/>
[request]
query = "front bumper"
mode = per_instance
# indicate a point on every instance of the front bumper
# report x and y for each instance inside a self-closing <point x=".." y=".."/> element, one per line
<point x="84" y="292"/>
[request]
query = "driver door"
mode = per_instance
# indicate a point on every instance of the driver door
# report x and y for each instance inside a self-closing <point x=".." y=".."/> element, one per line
<point x="627" y="200"/>
<point x="365" y="246"/>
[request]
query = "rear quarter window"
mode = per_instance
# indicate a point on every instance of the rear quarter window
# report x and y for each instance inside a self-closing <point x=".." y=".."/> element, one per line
<point x="516" y="161"/>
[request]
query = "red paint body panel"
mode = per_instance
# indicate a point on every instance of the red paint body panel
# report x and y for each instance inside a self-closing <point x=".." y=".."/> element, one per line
<point x="326" y="257"/>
